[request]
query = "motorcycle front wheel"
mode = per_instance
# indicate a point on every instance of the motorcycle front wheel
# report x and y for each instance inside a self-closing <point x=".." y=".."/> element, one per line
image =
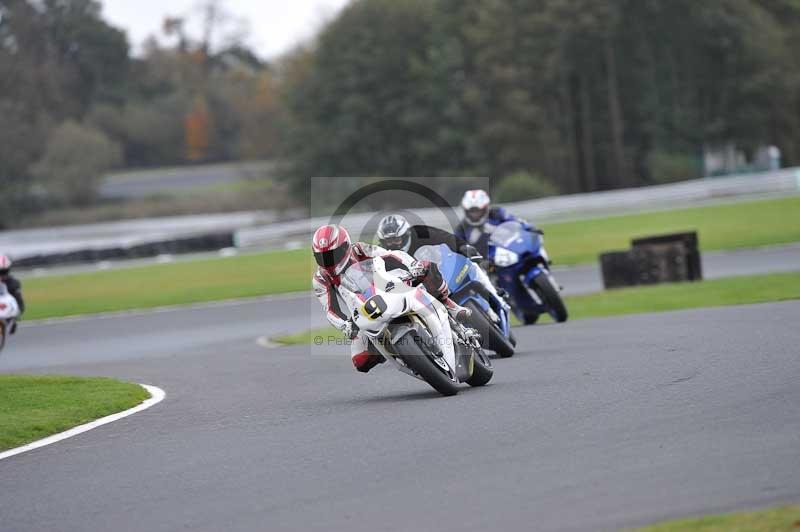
<point x="418" y="358"/>
<point x="491" y="337"/>
<point x="551" y="297"/>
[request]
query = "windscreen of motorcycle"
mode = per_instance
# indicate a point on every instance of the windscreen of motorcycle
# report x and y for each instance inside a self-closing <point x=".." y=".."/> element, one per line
<point x="505" y="234"/>
<point x="429" y="253"/>
<point x="358" y="278"/>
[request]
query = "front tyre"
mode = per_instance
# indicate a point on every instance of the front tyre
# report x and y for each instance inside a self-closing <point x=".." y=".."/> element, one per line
<point x="529" y="318"/>
<point x="551" y="297"/>
<point x="491" y="337"/>
<point x="416" y="356"/>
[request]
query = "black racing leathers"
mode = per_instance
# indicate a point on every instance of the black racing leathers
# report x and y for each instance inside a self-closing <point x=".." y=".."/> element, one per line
<point x="424" y="235"/>
<point x="15" y="289"/>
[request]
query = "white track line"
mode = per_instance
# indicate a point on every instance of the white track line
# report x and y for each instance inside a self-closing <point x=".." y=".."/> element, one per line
<point x="156" y="396"/>
<point x="267" y="343"/>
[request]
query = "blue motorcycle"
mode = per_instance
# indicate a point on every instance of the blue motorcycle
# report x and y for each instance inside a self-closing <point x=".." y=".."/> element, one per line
<point x="490" y="315"/>
<point x="523" y="271"/>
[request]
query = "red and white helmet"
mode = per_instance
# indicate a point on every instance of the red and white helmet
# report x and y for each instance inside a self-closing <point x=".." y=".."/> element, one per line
<point x="5" y="265"/>
<point x="476" y="207"/>
<point x="332" y="248"/>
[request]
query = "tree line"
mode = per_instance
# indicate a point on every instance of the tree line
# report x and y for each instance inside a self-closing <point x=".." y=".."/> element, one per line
<point x="546" y="95"/>
<point x="543" y="96"/>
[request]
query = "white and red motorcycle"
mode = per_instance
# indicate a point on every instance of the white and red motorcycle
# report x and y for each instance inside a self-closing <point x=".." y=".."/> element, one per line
<point x="412" y="329"/>
<point x="9" y="312"/>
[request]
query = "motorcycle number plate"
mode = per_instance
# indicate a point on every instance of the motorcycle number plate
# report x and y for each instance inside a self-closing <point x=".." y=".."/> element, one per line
<point x="374" y="307"/>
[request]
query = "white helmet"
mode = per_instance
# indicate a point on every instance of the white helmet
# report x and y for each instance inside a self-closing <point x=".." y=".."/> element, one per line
<point x="394" y="232"/>
<point x="476" y="207"/>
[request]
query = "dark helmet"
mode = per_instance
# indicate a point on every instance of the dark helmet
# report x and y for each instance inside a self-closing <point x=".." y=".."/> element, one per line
<point x="5" y="265"/>
<point x="394" y="233"/>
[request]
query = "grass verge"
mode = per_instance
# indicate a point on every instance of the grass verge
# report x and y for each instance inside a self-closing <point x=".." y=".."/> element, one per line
<point x="679" y="296"/>
<point x="741" y="290"/>
<point x="32" y="408"/>
<point x="773" y="520"/>
<point x="169" y="284"/>
<point x="307" y="337"/>
<point x="720" y="227"/>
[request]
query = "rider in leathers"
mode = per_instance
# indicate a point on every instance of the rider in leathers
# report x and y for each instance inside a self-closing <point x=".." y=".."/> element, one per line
<point x="14" y="288"/>
<point x="394" y="232"/>
<point x="334" y="252"/>
<point x="481" y="219"/>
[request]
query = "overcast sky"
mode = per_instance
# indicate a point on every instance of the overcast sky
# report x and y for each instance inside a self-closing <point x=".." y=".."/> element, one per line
<point x="274" y="26"/>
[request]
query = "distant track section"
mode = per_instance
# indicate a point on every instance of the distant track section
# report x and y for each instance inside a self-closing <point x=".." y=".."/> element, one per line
<point x="261" y="229"/>
<point x="674" y="195"/>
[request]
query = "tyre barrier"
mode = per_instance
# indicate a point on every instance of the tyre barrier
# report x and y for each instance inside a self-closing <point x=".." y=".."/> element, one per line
<point x="658" y="259"/>
<point x="176" y="246"/>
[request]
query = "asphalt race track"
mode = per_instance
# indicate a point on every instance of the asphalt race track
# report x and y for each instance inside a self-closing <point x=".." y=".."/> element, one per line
<point x="593" y="425"/>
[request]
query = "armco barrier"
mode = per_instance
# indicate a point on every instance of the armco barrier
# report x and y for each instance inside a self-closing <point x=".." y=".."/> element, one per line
<point x="156" y="236"/>
<point x="610" y="202"/>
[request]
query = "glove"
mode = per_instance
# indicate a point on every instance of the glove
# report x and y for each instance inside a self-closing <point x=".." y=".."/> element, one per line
<point x="350" y="329"/>
<point x="419" y="269"/>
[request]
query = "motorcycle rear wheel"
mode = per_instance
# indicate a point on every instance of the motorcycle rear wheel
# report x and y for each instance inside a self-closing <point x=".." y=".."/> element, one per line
<point x="482" y="372"/>
<point x="529" y="318"/>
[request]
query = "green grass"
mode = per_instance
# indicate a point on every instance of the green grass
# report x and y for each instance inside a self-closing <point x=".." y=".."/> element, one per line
<point x="784" y="519"/>
<point x="307" y="337"/>
<point x="720" y="227"/>
<point x="715" y="293"/>
<point x="32" y="408"/>
<point x="169" y="284"/>
<point x="729" y="226"/>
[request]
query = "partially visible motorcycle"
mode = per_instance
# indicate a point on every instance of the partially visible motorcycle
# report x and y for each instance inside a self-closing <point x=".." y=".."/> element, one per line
<point x="490" y="316"/>
<point x="412" y="329"/>
<point x="522" y="268"/>
<point x="9" y="312"/>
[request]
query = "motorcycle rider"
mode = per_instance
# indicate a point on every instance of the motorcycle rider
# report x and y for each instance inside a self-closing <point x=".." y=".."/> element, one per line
<point x="334" y="252"/>
<point x="14" y="287"/>
<point x="395" y="233"/>
<point x="481" y="219"/>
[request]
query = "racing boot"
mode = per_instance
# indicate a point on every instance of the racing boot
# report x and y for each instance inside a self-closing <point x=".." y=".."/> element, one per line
<point x="459" y="313"/>
<point x="467" y="334"/>
<point x="472" y="335"/>
<point x="365" y="361"/>
<point x="504" y="297"/>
